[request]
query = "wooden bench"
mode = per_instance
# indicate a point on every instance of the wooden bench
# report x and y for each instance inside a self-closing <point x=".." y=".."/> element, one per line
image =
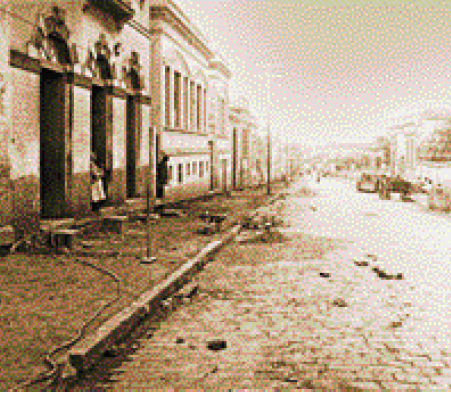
<point x="7" y="236"/>
<point x="62" y="237"/>
<point x="114" y="223"/>
<point x="58" y="232"/>
<point x="213" y="221"/>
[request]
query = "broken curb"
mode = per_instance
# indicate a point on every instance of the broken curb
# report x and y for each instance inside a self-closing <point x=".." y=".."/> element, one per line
<point x="89" y="350"/>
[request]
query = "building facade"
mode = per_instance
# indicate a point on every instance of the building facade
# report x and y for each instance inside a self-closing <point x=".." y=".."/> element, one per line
<point x="190" y="104"/>
<point x="246" y="163"/>
<point x="78" y="84"/>
<point x="122" y="81"/>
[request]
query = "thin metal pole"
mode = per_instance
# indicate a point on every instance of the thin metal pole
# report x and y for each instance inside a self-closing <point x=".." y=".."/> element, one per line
<point x="268" y="160"/>
<point x="268" y="186"/>
<point x="148" y="218"/>
<point x="148" y="259"/>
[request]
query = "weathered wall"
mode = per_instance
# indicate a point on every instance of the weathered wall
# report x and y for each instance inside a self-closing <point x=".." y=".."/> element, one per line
<point x="25" y="149"/>
<point x="5" y="123"/>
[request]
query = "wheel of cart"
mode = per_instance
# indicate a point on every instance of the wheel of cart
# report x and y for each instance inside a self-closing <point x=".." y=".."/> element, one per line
<point x="383" y="191"/>
<point x="406" y="193"/>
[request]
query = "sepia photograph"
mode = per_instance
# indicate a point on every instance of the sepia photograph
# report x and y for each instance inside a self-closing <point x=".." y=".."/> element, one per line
<point x="225" y="196"/>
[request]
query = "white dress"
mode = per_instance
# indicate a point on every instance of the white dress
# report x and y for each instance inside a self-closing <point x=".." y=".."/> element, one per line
<point x="97" y="190"/>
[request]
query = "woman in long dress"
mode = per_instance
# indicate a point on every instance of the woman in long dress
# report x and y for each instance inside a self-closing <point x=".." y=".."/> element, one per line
<point x="98" y="195"/>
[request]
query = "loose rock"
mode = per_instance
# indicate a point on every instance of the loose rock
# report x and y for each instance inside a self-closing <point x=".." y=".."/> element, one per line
<point x="216" y="345"/>
<point x="361" y="263"/>
<point x="395" y="325"/>
<point x="112" y="352"/>
<point x="372" y="257"/>
<point x="380" y="273"/>
<point x="340" y="302"/>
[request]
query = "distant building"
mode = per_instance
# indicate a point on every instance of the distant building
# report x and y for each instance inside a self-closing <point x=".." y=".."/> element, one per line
<point x="190" y="85"/>
<point x="245" y="157"/>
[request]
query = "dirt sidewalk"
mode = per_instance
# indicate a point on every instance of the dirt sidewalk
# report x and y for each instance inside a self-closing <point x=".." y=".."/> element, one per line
<point x="47" y="298"/>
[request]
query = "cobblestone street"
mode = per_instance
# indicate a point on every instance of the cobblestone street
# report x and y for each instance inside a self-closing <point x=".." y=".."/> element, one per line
<point x="355" y="298"/>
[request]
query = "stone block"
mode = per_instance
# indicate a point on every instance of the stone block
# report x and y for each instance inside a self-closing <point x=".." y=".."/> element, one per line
<point x="7" y="236"/>
<point x="114" y="224"/>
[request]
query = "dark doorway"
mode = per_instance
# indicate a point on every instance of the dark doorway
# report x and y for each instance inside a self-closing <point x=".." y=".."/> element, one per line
<point x="235" y="159"/>
<point x="158" y="158"/>
<point x="224" y="175"/>
<point x="100" y="117"/>
<point x="133" y="139"/>
<point x="53" y="125"/>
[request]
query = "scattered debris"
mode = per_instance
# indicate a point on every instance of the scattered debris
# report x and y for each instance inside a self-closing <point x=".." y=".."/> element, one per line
<point x="88" y="244"/>
<point x="188" y="291"/>
<point x="384" y="275"/>
<point x="372" y="257"/>
<point x="171" y="213"/>
<point x="266" y="236"/>
<point x="340" y="302"/>
<point x="216" y="345"/>
<point x="112" y="352"/>
<point x="166" y="303"/>
<point x="395" y="325"/>
<point x="362" y="263"/>
<point x="324" y="274"/>
<point x="380" y="272"/>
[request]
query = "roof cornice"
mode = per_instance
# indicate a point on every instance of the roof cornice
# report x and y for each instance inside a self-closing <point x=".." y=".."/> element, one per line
<point x="221" y="67"/>
<point x="170" y="13"/>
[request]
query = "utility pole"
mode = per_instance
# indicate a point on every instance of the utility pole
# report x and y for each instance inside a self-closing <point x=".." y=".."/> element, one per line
<point x="268" y="186"/>
<point x="287" y="161"/>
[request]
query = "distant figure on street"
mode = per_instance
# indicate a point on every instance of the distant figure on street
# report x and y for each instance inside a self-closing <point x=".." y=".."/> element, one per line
<point x="98" y="195"/>
<point x="162" y="175"/>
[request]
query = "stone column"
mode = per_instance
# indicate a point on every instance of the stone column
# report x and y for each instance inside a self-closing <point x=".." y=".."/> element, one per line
<point x="117" y="186"/>
<point x="80" y="197"/>
<point x="157" y="79"/>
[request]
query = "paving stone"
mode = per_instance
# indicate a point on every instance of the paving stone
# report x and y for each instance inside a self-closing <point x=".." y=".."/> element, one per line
<point x="366" y="386"/>
<point x="444" y="380"/>
<point x="399" y="387"/>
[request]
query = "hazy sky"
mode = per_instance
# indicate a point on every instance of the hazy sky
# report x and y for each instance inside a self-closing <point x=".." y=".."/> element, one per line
<point x="346" y="69"/>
